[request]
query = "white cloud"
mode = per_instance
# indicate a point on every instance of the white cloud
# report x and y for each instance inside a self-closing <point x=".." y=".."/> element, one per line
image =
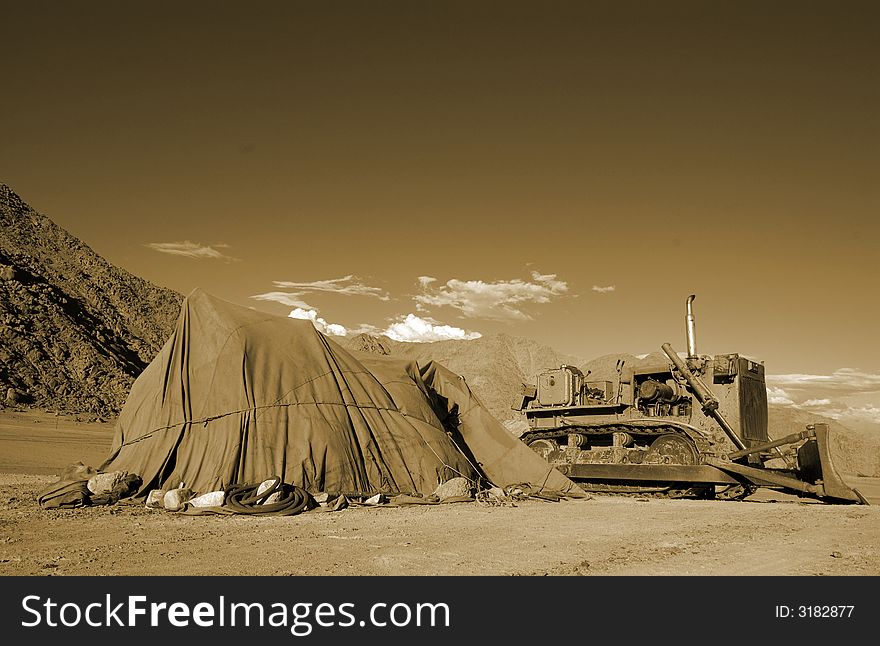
<point x="865" y="416"/>
<point x="320" y="324"/>
<point x="365" y="328"/>
<point x="335" y="329"/>
<point x="291" y="299"/>
<point x="349" y="285"/>
<point x="604" y="290"/>
<point x="191" y="250"/>
<point x="867" y="413"/>
<point x="414" y="329"/>
<point x="424" y="281"/>
<point x="496" y="300"/>
<point x="841" y="382"/>
<point x="844" y="389"/>
<point x="778" y="396"/>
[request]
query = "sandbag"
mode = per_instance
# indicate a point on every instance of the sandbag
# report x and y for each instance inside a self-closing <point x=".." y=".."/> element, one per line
<point x="64" y="494"/>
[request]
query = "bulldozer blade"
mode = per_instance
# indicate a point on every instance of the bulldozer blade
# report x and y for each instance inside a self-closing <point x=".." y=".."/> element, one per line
<point x="816" y="473"/>
<point x="814" y="463"/>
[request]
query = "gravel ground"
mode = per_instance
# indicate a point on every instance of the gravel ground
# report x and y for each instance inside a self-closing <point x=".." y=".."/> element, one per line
<point x="771" y="534"/>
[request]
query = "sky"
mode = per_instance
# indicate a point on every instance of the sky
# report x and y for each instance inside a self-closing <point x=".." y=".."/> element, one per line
<point x="563" y="171"/>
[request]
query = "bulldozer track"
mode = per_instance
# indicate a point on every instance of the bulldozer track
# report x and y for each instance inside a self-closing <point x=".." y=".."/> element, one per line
<point x="708" y="492"/>
<point x="649" y="427"/>
<point x="641" y="427"/>
<point x="668" y="493"/>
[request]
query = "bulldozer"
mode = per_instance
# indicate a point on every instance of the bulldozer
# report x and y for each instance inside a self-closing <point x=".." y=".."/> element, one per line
<point x="691" y="425"/>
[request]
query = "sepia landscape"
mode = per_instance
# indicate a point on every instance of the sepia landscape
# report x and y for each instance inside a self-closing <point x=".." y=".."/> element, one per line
<point x="78" y="331"/>
<point x="445" y="288"/>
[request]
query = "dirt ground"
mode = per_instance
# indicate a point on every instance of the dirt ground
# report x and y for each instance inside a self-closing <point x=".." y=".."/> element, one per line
<point x="770" y="534"/>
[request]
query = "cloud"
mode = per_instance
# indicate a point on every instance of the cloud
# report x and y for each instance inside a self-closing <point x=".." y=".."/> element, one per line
<point x="779" y="396"/>
<point x="497" y="300"/>
<point x="841" y="382"/>
<point x="348" y="285"/>
<point x="864" y="416"/>
<point x="867" y="413"/>
<point x="320" y="324"/>
<point x="604" y="290"/>
<point x="835" y="395"/>
<point x="414" y="329"/>
<point x="291" y="299"/>
<point x="366" y="328"/>
<point x="192" y="250"/>
<point x="408" y="329"/>
<point x="816" y="402"/>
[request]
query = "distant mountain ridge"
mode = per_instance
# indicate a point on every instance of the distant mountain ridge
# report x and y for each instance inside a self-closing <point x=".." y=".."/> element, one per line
<point x="854" y="451"/>
<point x="75" y="330"/>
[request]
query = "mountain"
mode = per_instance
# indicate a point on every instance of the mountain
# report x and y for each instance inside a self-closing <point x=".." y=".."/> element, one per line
<point x="854" y="451"/>
<point x="75" y="330"/>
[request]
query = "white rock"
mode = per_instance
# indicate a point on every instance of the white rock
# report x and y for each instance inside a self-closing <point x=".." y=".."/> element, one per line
<point x="497" y="492"/>
<point x="175" y="498"/>
<point x="454" y="488"/>
<point x="212" y="499"/>
<point x="265" y="485"/>
<point x="156" y="499"/>
<point x="104" y="482"/>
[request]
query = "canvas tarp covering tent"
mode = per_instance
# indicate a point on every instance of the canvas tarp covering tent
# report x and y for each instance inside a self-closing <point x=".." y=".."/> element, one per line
<point x="238" y="396"/>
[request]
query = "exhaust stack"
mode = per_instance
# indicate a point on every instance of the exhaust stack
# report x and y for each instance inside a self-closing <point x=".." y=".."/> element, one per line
<point x="691" y="333"/>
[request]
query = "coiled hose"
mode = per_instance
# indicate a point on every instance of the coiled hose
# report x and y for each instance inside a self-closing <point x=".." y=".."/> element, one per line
<point x="243" y="499"/>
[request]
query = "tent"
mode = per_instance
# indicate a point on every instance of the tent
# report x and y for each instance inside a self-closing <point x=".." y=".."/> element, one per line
<point x="236" y="396"/>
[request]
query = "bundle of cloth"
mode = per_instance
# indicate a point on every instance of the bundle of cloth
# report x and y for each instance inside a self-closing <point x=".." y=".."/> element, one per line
<point x="81" y="486"/>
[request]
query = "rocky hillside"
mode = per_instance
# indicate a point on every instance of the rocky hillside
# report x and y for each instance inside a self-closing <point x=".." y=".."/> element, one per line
<point x="74" y="330"/>
<point x="856" y="452"/>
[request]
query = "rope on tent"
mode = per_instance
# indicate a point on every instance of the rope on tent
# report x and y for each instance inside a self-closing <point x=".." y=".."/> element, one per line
<point x="468" y="460"/>
<point x="204" y="421"/>
<point x="451" y="468"/>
